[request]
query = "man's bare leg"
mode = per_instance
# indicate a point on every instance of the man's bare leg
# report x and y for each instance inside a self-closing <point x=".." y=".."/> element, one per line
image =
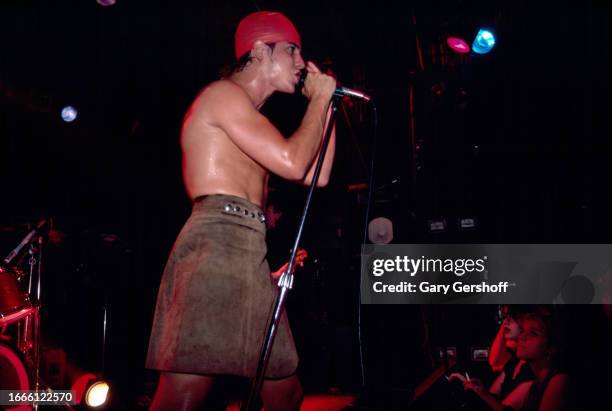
<point x="282" y="395"/>
<point x="180" y="392"/>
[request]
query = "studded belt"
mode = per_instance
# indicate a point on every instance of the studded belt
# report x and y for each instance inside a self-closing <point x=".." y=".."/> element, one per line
<point x="233" y="208"/>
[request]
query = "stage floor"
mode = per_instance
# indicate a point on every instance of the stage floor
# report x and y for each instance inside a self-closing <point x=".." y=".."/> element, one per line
<point x="318" y="402"/>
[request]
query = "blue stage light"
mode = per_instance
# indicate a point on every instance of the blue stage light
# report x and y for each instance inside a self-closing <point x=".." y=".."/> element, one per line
<point x="484" y="41"/>
<point x="69" y="114"/>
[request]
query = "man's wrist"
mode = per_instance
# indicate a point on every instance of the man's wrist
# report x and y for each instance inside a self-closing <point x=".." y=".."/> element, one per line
<point x="320" y="99"/>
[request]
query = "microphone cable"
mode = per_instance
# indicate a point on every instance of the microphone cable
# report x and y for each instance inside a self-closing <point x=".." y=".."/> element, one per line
<point x="365" y="231"/>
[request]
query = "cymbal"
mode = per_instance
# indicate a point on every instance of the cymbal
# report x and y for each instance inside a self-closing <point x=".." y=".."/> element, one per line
<point x="13" y="227"/>
<point x="55" y="236"/>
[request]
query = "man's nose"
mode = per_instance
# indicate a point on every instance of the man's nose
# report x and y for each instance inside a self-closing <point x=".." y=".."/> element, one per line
<point x="299" y="62"/>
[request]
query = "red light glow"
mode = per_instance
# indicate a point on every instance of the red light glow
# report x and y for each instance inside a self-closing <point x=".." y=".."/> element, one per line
<point x="458" y="45"/>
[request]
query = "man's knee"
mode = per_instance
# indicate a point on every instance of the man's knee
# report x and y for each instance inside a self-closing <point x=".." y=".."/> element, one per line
<point x="181" y="391"/>
<point x="298" y="395"/>
<point x="285" y="394"/>
<point x="294" y="394"/>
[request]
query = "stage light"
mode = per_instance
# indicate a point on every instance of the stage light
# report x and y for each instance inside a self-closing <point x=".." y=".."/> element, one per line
<point x="458" y="45"/>
<point x="89" y="389"/>
<point x="436" y="226"/>
<point x="69" y="114"/>
<point x="105" y="2"/>
<point x="97" y="393"/>
<point x="380" y="230"/>
<point x="484" y="41"/>
<point x="467" y="223"/>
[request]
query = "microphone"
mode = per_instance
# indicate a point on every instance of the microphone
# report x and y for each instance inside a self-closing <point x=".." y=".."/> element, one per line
<point x="339" y="92"/>
<point x="38" y="229"/>
<point x="345" y="91"/>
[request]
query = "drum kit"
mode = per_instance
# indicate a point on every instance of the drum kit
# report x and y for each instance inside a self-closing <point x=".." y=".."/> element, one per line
<point x="20" y="313"/>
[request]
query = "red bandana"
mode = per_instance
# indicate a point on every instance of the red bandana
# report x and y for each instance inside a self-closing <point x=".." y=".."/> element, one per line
<point x="267" y="26"/>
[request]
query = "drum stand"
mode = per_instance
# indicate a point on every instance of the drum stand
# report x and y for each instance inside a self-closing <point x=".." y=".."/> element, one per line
<point x="35" y="251"/>
<point x="285" y="283"/>
<point x="29" y="341"/>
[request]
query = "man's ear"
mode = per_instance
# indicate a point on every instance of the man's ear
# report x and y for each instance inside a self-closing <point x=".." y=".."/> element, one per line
<point x="259" y="50"/>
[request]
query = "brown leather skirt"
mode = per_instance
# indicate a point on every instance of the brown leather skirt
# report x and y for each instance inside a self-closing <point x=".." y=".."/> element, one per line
<point x="216" y="296"/>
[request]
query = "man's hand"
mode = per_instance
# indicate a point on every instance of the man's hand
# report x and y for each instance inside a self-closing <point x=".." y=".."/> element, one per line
<point x="317" y="84"/>
<point x="299" y="260"/>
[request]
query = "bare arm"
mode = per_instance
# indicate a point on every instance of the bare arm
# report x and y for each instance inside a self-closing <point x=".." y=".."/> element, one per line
<point x="477" y="386"/>
<point x="497" y="384"/>
<point x="328" y="161"/>
<point x="499" y="355"/>
<point x="514" y="400"/>
<point x="231" y="109"/>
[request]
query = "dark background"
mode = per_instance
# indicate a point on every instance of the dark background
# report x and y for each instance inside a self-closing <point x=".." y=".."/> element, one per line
<point x="517" y="139"/>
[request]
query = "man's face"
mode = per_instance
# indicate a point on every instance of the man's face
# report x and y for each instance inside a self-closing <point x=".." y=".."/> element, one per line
<point x="285" y="66"/>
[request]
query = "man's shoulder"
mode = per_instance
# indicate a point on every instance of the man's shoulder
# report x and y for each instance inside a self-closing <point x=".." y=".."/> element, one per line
<point x="220" y="91"/>
<point x="218" y="99"/>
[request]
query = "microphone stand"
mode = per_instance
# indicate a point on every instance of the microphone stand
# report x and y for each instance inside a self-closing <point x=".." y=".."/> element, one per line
<point x="285" y="283"/>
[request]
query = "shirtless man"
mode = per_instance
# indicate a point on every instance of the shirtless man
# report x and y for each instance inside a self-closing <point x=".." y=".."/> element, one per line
<point x="216" y="293"/>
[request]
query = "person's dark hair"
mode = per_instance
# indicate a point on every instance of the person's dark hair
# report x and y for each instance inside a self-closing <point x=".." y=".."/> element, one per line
<point x="240" y="64"/>
<point x="553" y="326"/>
<point x="516" y="311"/>
<point x="236" y="66"/>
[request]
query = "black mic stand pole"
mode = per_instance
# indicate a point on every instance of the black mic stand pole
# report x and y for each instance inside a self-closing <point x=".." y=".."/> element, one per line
<point x="285" y="283"/>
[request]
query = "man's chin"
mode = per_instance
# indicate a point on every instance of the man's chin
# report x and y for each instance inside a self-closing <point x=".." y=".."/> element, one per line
<point x="288" y="90"/>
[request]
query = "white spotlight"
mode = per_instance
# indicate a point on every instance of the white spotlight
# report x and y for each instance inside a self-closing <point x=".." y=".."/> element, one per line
<point x="69" y="114"/>
<point x="97" y="393"/>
